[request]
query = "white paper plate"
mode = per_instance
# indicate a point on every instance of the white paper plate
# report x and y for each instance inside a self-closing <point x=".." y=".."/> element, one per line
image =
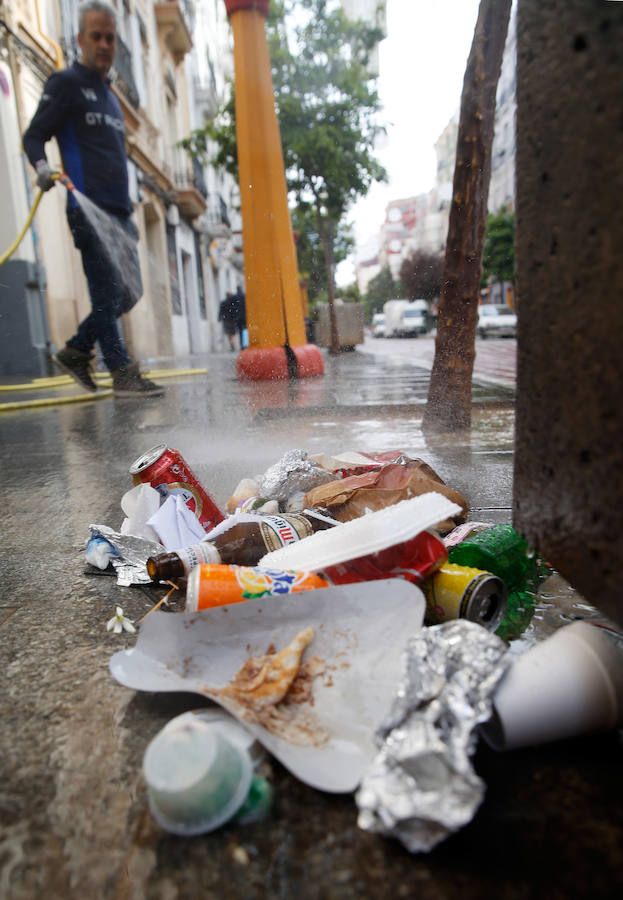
<point x="361" y="630"/>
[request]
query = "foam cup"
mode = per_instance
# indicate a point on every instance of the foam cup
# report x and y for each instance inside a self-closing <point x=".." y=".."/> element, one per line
<point x="565" y="686"/>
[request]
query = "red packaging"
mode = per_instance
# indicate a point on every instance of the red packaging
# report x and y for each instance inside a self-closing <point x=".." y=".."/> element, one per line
<point x="414" y="560"/>
<point x="166" y="470"/>
<point x="374" y="461"/>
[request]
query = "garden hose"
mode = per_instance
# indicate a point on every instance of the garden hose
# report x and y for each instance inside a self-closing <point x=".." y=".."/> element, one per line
<point x="57" y="176"/>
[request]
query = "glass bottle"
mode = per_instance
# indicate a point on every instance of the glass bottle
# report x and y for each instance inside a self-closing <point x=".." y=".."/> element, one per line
<point x="244" y="543"/>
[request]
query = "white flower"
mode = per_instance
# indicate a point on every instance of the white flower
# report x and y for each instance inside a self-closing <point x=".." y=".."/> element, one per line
<point x="119" y="623"/>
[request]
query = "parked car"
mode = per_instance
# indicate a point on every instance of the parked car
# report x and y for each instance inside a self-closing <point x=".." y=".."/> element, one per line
<point x="496" y="321"/>
<point x="378" y="325"/>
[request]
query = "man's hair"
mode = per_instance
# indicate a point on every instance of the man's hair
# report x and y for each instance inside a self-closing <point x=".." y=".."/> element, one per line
<point x="95" y="6"/>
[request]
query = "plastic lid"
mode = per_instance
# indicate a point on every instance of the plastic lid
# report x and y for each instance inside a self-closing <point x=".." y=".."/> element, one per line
<point x="368" y="534"/>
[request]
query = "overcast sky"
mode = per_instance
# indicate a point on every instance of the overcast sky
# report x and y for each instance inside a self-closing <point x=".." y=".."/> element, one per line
<point x="421" y="68"/>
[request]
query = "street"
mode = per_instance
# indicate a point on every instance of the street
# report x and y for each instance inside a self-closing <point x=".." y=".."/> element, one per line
<point x="75" y="819"/>
<point x="496" y="358"/>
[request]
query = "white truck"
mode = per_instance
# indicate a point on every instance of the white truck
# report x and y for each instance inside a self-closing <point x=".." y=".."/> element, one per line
<point x="405" y="318"/>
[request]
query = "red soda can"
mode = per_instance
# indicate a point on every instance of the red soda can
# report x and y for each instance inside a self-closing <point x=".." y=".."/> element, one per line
<point x="166" y="470"/>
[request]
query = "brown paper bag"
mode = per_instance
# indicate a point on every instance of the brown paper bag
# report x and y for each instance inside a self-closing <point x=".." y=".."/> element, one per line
<point x="349" y="498"/>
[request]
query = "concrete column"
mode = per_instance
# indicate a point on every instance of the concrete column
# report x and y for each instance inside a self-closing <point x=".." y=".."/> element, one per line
<point x="569" y="446"/>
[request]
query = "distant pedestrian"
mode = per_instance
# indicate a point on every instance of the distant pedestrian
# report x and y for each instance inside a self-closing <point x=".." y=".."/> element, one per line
<point x="228" y="315"/>
<point x="241" y="317"/>
<point x="80" y="109"/>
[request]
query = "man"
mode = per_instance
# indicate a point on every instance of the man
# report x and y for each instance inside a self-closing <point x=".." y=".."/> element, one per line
<point x="79" y="109"/>
<point x="228" y="315"/>
<point x="241" y="317"/>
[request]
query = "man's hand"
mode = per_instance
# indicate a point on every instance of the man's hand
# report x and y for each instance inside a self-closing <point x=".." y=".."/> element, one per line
<point x="44" y="175"/>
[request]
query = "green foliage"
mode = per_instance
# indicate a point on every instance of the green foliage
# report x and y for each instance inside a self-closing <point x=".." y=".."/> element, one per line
<point x="498" y="258"/>
<point x="420" y="275"/>
<point x="310" y="256"/>
<point x="328" y="111"/>
<point x="381" y="288"/>
<point x="215" y="142"/>
<point x="351" y="293"/>
<point x="326" y="103"/>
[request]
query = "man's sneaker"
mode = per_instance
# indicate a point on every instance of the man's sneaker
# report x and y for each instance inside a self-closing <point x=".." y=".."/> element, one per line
<point x="128" y="382"/>
<point x="77" y="364"/>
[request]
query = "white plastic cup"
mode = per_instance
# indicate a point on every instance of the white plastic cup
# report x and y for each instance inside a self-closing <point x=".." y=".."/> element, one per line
<point x="196" y="778"/>
<point x="568" y="685"/>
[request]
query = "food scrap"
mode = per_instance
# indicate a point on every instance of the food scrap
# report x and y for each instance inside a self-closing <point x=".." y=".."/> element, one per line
<point x="271" y="690"/>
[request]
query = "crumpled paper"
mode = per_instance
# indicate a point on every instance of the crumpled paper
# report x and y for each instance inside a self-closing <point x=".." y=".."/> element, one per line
<point x="176" y="525"/>
<point x="421" y="786"/>
<point x="131" y="556"/>
<point x="139" y="504"/>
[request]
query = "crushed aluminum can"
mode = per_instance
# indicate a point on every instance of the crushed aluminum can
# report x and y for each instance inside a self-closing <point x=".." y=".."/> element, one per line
<point x="133" y="553"/>
<point x="421" y="786"/>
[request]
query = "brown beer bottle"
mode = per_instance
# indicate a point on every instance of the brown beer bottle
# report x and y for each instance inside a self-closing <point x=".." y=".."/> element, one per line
<point x="244" y="543"/>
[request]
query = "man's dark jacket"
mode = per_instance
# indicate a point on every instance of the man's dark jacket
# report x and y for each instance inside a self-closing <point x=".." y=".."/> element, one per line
<point x="81" y="111"/>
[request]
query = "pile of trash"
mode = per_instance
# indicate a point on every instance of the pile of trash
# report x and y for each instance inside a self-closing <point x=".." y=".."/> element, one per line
<point x="346" y="617"/>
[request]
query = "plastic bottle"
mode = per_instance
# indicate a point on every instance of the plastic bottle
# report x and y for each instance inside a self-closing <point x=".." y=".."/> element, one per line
<point x="217" y="585"/>
<point x="243" y="544"/>
<point x="501" y="550"/>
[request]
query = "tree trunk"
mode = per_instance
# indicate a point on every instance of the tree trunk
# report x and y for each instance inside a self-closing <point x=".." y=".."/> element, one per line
<point x="449" y="404"/>
<point x="326" y="239"/>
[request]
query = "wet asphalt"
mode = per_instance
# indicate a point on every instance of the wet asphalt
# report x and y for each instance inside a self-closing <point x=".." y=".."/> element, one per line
<point x="73" y="809"/>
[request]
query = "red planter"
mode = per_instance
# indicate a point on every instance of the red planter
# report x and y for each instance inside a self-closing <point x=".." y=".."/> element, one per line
<point x="233" y="6"/>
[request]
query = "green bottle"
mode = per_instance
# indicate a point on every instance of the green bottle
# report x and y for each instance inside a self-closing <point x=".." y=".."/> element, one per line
<point x="501" y="550"/>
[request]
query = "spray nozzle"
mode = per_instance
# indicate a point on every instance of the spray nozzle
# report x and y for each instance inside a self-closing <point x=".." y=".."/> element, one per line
<point x="64" y="179"/>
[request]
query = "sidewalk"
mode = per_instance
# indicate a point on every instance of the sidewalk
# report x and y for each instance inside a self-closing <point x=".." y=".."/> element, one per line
<point x="75" y="818"/>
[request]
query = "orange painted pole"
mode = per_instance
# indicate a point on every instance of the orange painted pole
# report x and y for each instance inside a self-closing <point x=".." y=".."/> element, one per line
<point x="277" y="347"/>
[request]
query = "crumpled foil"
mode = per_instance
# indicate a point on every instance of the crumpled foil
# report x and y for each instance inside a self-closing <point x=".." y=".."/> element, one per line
<point x="421" y="786"/>
<point x="293" y="473"/>
<point x="133" y="552"/>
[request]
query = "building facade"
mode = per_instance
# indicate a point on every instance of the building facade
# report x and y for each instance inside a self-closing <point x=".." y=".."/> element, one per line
<point x="170" y="72"/>
<point x="502" y="184"/>
<point x="421" y="222"/>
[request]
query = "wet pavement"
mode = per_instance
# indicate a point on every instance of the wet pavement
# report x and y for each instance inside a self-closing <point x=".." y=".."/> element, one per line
<point x="73" y="811"/>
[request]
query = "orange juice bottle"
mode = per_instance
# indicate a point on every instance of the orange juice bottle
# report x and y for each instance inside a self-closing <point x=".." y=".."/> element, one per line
<point x="212" y="585"/>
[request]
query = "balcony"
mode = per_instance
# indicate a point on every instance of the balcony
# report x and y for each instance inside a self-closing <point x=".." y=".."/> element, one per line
<point x="206" y="97"/>
<point x="122" y="74"/>
<point x="190" y="188"/>
<point x="173" y="20"/>
<point x="217" y="217"/>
